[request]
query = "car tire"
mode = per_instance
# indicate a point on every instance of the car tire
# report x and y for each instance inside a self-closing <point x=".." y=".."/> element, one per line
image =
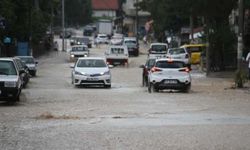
<point x="152" y="88"/>
<point x="107" y="86"/>
<point x="186" y="89"/>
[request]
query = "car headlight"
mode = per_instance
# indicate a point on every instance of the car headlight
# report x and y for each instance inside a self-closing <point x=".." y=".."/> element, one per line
<point x="79" y="73"/>
<point x="105" y="73"/>
<point x="72" y="56"/>
<point x="10" y="84"/>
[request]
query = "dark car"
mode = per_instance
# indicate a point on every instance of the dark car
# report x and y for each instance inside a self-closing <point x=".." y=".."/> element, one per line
<point x="133" y="46"/>
<point x="30" y="63"/>
<point x="146" y="68"/>
<point x="88" y="31"/>
<point x="25" y="76"/>
<point x="81" y="41"/>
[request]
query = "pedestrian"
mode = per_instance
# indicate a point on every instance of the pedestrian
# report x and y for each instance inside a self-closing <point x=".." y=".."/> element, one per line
<point x="248" y="60"/>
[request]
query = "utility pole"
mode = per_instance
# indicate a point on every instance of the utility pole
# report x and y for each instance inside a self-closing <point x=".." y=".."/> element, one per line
<point x="137" y="21"/>
<point x="240" y="34"/>
<point x="63" y="26"/>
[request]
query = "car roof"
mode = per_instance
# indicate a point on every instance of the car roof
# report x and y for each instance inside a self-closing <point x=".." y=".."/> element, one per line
<point x="129" y="38"/>
<point x="25" y="56"/>
<point x="82" y="45"/>
<point x="168" y="59"/>
<point x="7" y="58"/>
<point x="158" y="44"/>
<point x="93" y="58"/>
<point x="117" y="46"/>
<point x="101" y="34"/>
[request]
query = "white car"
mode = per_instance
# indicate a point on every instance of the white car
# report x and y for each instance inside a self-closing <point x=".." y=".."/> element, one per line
<point x="91" y="71"/>
<point x="117" y="55"/>
<point x="78" y="51"/>
<point x="179" y="54"/>
<point x="116" y="39"/>
<point x="102" y="39"/>
<point x="158" y="50"/>
<point x="169" y="74"/>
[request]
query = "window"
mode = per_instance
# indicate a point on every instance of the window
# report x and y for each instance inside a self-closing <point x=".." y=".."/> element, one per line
<point x="117" y="50"/>
<point x="91" y="63"/>
<point x="7" y="68"/>
<point x="79" y="49"/>
<point x="166" y="64"/>
<point x="159" y="48"/>
<point x="176" y="51"/>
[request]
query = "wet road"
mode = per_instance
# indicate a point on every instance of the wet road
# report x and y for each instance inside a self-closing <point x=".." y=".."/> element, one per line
<point x="53" y="114"/>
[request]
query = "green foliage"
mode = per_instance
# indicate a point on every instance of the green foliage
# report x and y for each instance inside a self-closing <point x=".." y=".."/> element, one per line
<point x="240" y="78"/>
<point x="78" y="12"/>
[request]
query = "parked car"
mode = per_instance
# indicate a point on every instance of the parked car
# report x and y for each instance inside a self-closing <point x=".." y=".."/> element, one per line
<point x="145" y="70"/>
<point x="158" y="50"/>
<point x="179" y="54"/>
<point x="91" y="71"/>
<point x="116" y="39"/>
<point x="10" y="80"/>
<point x="169" y="74"/>
<point x="133" y="46"/>
<point x="102" y="39"/>
<point x="78" y="51"/>
<point x="25" y="76"/>
<point x="30" y="63"/>
<point x="117" y="55"/>
<point x="195" y="51"/>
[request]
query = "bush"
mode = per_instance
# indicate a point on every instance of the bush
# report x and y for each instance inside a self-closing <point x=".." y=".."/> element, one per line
<point x="240" y="78"/>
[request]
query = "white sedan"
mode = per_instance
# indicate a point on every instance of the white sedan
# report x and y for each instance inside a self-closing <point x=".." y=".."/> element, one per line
<point x="91" y="71"/>
<point x="169" y="74"/>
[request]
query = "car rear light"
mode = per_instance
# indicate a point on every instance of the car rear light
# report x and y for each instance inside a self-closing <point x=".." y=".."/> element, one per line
<point x="187" y="56"/>
<point x="184" y="70"/>
<point x="155" y="69"/>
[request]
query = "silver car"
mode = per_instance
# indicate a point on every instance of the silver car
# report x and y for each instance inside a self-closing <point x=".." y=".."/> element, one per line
<point x="179" y="54"/>
<point x="169" y="74"/>
<point x="91" y="71"/>
<point x="10" y="80"/>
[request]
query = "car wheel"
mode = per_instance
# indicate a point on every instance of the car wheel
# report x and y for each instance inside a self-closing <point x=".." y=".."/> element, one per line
<point x="186" y="89"/>
<point x="152" y="88"/>
<point x="107" y="86"/>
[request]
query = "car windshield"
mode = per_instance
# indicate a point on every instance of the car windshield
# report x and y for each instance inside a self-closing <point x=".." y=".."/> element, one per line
<point x="130" y="42"/>
<point x="150" y="63"/>
<point x="169" y="64"/>
<point x="102" y="36"/>
<point x="176" y="51"/>
<point x="7" y="68"/>
<point x="117" y="50"/>
<point x="28" y="60"/>
<point x="76" y="49"/>
<point x="91" y="63"/>
<point x="159" y="48"/>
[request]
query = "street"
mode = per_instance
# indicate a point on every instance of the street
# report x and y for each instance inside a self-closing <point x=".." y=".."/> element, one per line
<point x="53" y="114"/>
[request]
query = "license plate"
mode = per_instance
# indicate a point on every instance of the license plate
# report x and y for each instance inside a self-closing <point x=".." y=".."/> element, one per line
<point x="170" y="82"/>
<point x="117" y="63"/>
<point x="92" y="79"/>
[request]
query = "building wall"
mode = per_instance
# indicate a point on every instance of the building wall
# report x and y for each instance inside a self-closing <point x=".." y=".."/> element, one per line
<point x="102" y="13"/>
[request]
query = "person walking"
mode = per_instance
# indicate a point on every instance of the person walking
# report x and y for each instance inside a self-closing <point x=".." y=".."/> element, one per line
<point x="248" y="60"/>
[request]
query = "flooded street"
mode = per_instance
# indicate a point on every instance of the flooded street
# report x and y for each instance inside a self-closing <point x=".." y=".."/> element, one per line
<point x="53" y="114"/>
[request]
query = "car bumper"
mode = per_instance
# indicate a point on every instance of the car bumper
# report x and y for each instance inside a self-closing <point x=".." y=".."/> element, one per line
<point x="117" y="61"/>
<point x="6" y="93"/>
<point x="86" y="80"/>
<point x="177" y="86"/>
